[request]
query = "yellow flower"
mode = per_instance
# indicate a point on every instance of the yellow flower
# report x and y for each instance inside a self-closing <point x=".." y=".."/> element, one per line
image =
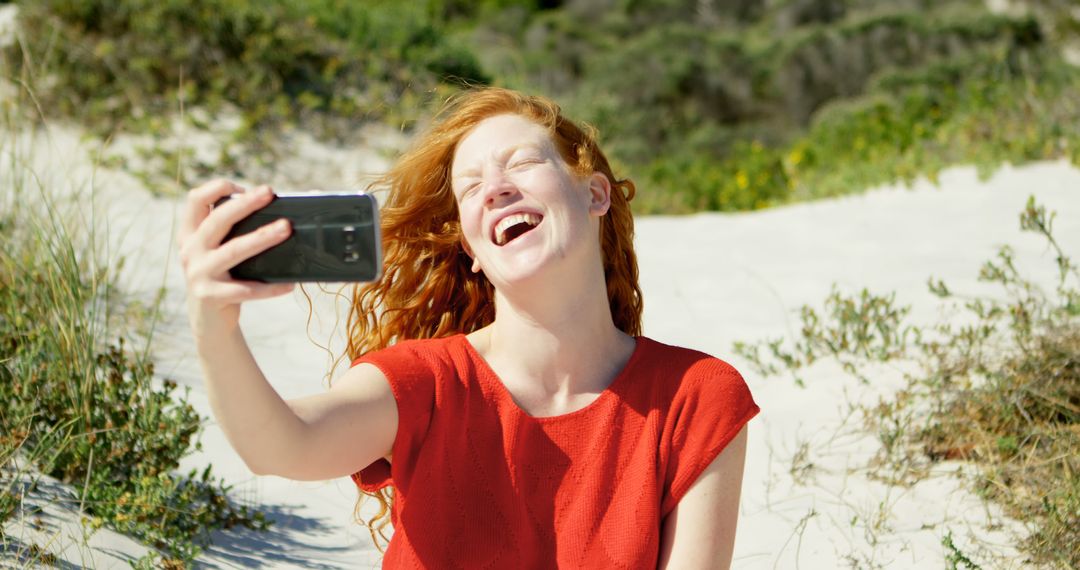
<point x="742" y="180"/>
<point x="796" y="156"/>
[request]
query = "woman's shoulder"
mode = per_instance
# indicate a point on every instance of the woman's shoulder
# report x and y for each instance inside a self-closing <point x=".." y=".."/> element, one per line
<point x="676" y="375"/>
<point x="426" y="350"/>
<point x="694" y="363"/>
<point x="699" y="393"/>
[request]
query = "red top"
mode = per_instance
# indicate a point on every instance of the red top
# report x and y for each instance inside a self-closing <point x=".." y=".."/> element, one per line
<point x="478" y="483"/>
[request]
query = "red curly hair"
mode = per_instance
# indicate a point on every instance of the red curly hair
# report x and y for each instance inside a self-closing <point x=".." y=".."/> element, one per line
<point x="427" y="289"/>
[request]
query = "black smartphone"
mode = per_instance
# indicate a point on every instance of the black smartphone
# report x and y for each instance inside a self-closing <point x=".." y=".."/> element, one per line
<point x="335" y="237"/>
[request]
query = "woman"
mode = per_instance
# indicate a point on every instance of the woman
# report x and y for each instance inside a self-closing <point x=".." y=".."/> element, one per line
<point x="499" y="385"/>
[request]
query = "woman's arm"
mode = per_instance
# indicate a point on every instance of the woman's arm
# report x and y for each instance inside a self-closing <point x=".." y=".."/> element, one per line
<point x="700" y="531"/>
<point x="318" y="437"/>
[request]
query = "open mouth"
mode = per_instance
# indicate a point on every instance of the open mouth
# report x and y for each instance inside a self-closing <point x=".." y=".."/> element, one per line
<point x="514" y="226"/>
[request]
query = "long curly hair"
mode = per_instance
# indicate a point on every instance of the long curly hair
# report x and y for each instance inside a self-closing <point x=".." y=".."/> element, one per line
<point x="427" y="289"/>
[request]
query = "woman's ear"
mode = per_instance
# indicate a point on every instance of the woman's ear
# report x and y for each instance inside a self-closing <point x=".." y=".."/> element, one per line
<point x="599" y="194"/>
<point x="468" y="251"/>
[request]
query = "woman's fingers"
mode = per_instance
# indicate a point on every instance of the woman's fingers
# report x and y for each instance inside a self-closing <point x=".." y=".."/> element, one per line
<point x="222" y="218"/>
<point x="199" y="202"/>
<point x="245" y="246"/>
<point x="205" y="225"/>
<point x="206" y="260"/>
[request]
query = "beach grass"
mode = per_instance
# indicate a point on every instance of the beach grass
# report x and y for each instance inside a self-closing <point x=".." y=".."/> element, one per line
<point x="998" y="390"/>
<point x="79" y="398"/>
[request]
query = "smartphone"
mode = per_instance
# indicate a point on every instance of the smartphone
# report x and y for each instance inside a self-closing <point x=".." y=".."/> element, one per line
<point x="335" y="237"/>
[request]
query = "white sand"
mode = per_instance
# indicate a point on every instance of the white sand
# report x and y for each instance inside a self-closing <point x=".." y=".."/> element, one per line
<point x="708" y="280"/>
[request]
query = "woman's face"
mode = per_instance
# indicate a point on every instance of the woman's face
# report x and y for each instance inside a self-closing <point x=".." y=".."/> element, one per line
<point x="521" y="207"/>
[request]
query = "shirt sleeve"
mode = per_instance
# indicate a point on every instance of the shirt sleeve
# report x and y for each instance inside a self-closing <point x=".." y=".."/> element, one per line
<point x="412" y="381"/>
<point x="711" y="406"/>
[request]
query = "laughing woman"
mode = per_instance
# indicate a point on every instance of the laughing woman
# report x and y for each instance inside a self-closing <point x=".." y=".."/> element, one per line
<point x="502" y="405"/>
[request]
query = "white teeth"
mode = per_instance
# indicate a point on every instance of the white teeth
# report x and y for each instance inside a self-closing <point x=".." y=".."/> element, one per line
<point x="511" y="220"/>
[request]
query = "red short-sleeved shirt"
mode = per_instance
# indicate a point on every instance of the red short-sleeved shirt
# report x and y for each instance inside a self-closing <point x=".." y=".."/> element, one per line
<point x="478" y="483"/>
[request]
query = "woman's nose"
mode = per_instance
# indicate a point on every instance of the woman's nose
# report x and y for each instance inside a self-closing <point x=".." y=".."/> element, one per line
<point x="497" y="186"/>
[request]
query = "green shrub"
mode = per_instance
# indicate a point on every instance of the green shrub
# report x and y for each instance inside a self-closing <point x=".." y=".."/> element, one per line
<point x="887" y="93"/>
<point x="985" y="111"/>
<point x="326" y="66"/>
<point x="988" y="110"/>
<point x="277" y="62"/>
<point x="751" y="177"/>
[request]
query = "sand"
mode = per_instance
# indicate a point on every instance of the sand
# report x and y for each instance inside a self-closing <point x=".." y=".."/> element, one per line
<point x="708" y="280"/>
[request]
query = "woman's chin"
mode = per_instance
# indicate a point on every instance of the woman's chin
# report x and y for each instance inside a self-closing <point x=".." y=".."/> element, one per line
<point x="521" y="269"/>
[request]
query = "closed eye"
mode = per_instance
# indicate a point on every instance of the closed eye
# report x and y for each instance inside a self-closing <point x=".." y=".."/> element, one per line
<point x="469" y="188"/>
<point x="526" y="162"/>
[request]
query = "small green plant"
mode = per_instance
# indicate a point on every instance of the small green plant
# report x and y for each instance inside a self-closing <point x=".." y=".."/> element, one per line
<point x="955" y="559"/>
<point x="1000" y="390"/>
<point x="850" y="329"/>
<point x="19" y="476"/>
<point x="10" y="483"/>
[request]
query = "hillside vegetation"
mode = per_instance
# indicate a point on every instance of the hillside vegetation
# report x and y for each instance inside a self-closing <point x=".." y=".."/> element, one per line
<point x="718" y="105"/>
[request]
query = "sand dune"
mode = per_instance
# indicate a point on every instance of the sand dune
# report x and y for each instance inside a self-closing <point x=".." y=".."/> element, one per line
<point x="709" y="280"/>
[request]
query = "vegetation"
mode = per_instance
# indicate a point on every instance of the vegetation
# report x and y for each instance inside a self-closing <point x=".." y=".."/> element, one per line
<point x="77" y="402"/>
<point x="276" y="61"/>
<point x="1000" y="390"/>
<point x="731" y="107"/>
<point x="328" y="65"/>
<point x="749" y="115"/>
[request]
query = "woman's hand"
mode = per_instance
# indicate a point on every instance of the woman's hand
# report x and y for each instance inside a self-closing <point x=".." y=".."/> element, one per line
<point x="211" y="292"/>
<point x="318" y="437"/>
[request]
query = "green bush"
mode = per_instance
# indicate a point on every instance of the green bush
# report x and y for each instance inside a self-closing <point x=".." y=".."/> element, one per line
<point x="277" y="62"/>
<point x="751" y="177"/>
<point x="325" y="66"/>
<point x="725" y="114"/>
<point x="988" y="111"/>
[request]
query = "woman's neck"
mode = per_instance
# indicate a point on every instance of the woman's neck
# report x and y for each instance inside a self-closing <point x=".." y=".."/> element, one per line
<point x="557" y="344"/>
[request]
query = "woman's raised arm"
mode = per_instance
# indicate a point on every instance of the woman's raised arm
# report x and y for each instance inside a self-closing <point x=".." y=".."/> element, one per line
<point x="318" y="437"/>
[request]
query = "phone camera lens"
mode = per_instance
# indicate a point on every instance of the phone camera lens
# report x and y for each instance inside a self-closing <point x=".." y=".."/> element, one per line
<point x="350" y="255"/>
